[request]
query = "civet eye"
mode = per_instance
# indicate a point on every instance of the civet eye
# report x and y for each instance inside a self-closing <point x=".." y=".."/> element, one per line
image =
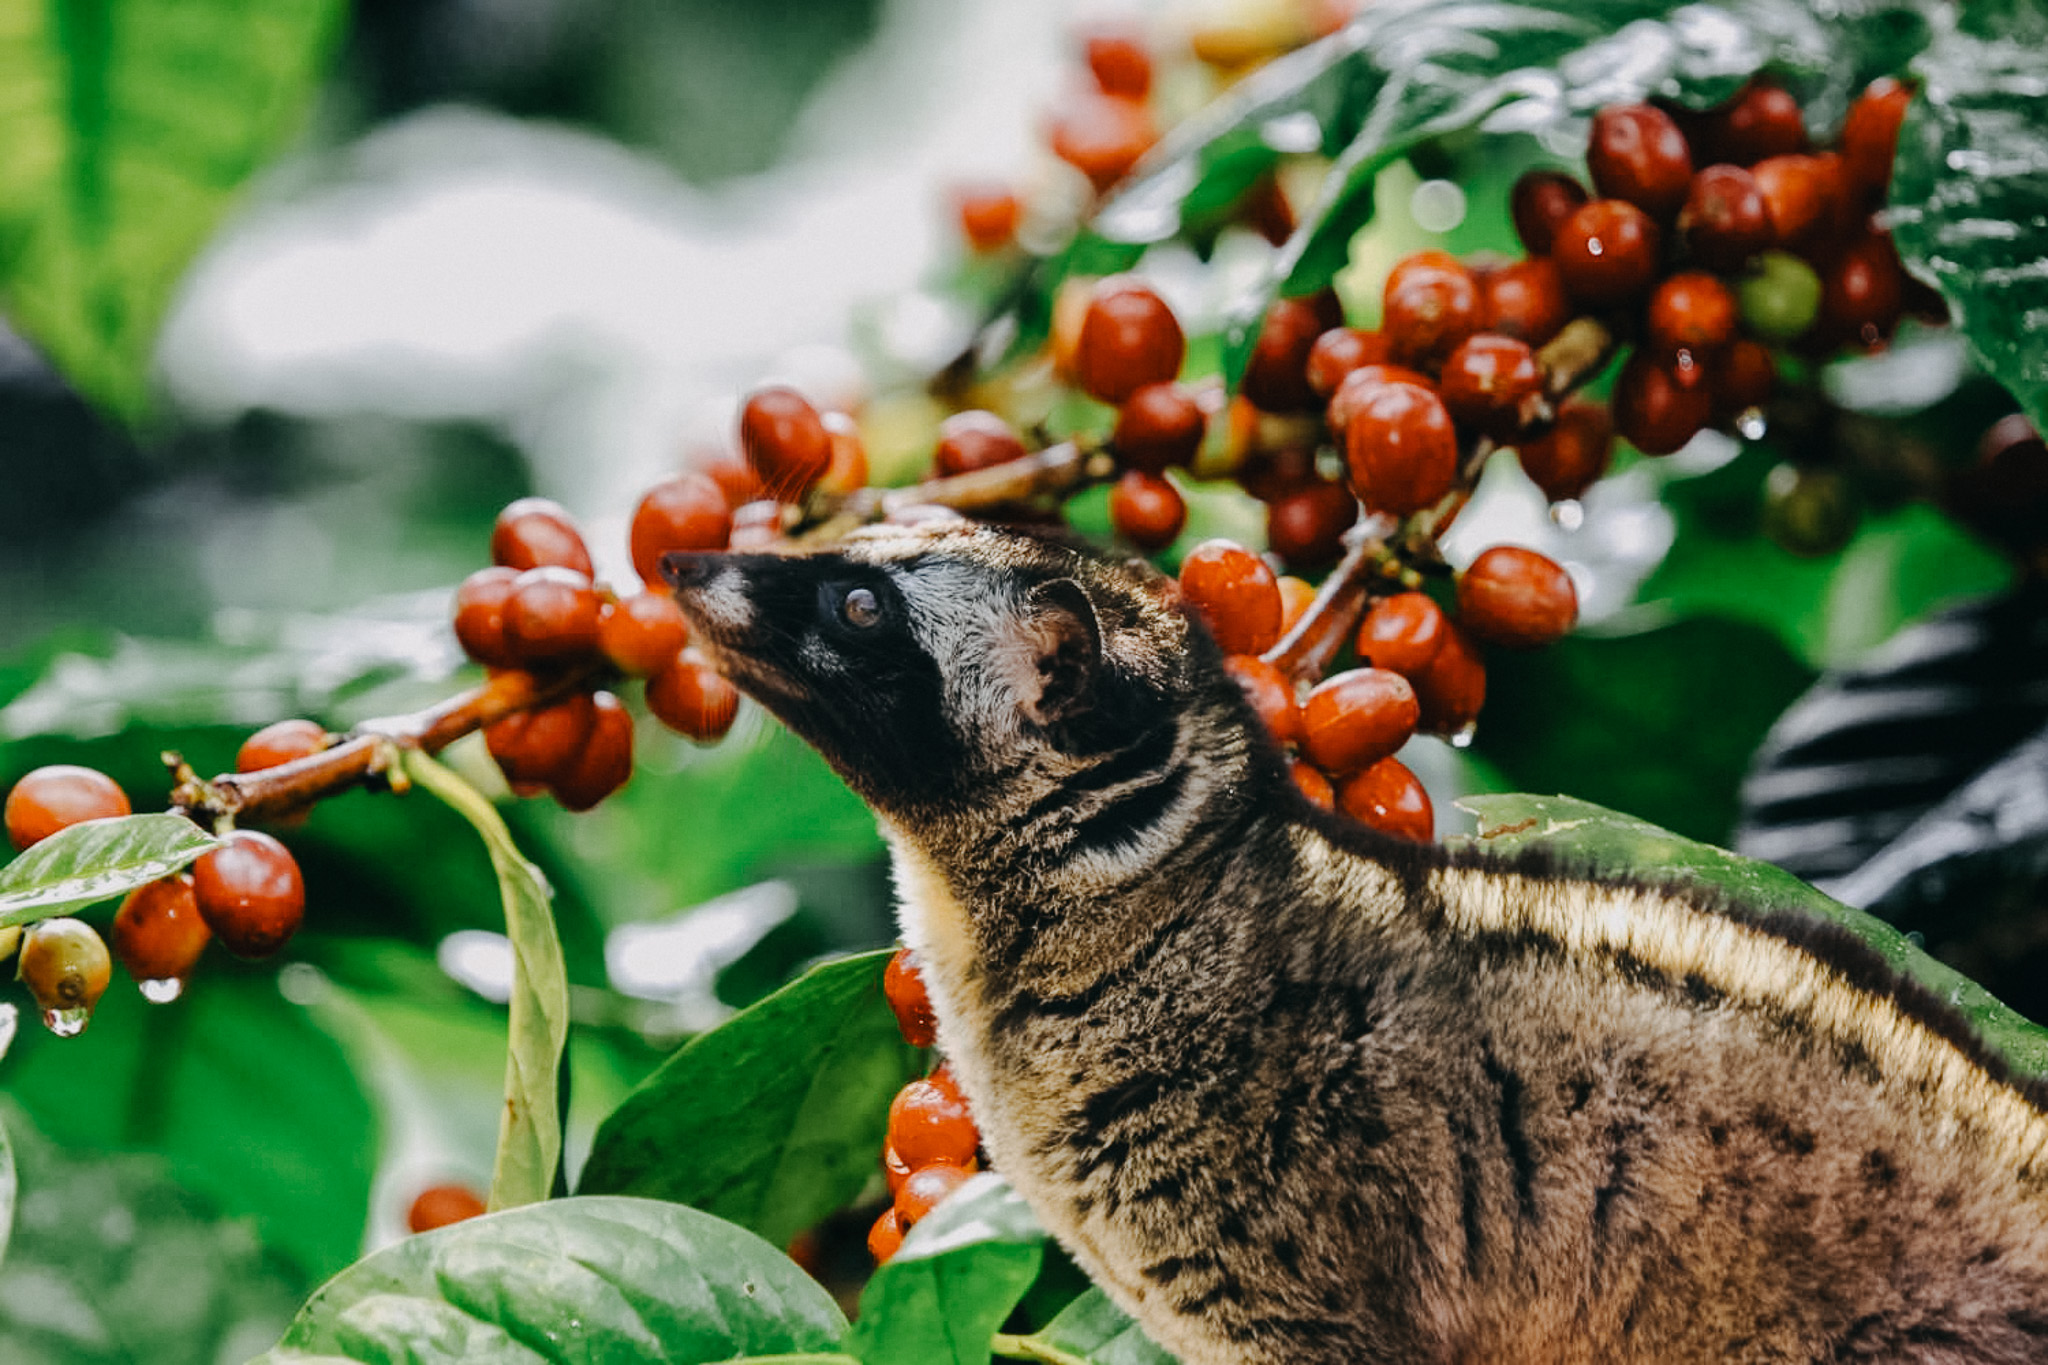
<point x="861" y="608"/>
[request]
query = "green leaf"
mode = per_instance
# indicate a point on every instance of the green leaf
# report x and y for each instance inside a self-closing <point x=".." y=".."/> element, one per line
<point x="941" y="1298"/>
<point x="1606" y="841"/>
<point x="1098" y="1331"/>
<point x="96" y="861"/>
<point x="775" y="1118"/>
<point x="594" y="1279"/>
<point x="1969" y="198"/>
<point x="129" y="127"/>
<point x="530" y="1134"/>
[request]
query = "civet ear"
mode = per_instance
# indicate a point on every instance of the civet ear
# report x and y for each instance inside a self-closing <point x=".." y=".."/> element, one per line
<point x="1066" y="639"/>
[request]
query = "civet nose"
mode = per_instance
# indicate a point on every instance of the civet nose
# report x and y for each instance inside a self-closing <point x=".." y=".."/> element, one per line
<point x="689" y="569"/>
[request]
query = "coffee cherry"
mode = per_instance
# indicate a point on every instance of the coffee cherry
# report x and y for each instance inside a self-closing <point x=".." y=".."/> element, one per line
<point x="975" y="440"/>
<point x="1744" y="376"/>
<point x="1353" y="719"/>
<point x="606" y="760"/>
<point x="688" y="512"/>
<point x="1809" y="512"/>
<point x="66" y="968"/>
<point x="1306" y="527"/>
<point x="894" y="1170"/>
<point x="536" y="744"/>
<point x="1270" y="694"/>
<point x="903" y="985"/>
<point x="1863" y="292"/>
<point x="1566" y="460"/>
<point x="1870" y="137"/>
<point x="928" y="1122"/>
<point x="1654" y="410"/>
<point x="885" y="1238"/>
<point x="926" y="1186"/>
<point x="1607" y="253"/>
<point x="693" y="699"/>
<point x="283" y="741"/>
<point x="537" y="531"/>
<point x="988" y="217"/>
<point x="57" y="797"/>
<point x="1489" y="381"/>
<point x="785" y="441"/>
<point x="1296" y="594"/>
<point x="1276" y="372"/>
<point x="1264" y="209"/>
<point x="1120" y="65"/>
<point x="1129" y="338"/>
<point x="756" y="526"/>
<point x="1763" y="120"/>
<point x="1540" y="203"/>
<point x="480" y="616"/>
<point x="1360" y="384"/>
<point x="1525" y="300"/>
<point x="158" y="934"/>
<point x="250" y="893"/>
<point x="642" y="634"/>
<point x="1391" y="799"/>
<point x="2003" y="494"/>
<point x="1339" y="351"/>
<point x="1157" y="426"/>
<point x="551" y="613"/>
<point x="1428" y="310"/>
<point x="736" y="480"/>
<point x="1102" y="136"/>
<point x="1146" y="510"/>
<point x="1271" y="473"/>
<point x="849" y="468"/>
<point x="1516" y="598"/>
<point x="1452" y="689"/>
<point x="1236" y="594"/>
<point x="439" y="1205"/>
<point x="1402" y="633"/>
<point x="1691" y="311"/>
<point x="1798" y="197"/>
<point x="1401" y="449"/>
<point x="1781" y="299"/>
<point x="1637" y="153"/>
<point x="1725" y="220"/>
<point x="1424" y="262"/>
<point x="1313" y="785"/>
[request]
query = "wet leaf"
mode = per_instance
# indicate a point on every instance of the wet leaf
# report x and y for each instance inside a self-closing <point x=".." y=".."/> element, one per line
<point x="1102" y="1333"/>
<point x="574" y="1279"/>
<point x="530" y="1135"/>
<point x="940" y="1299"/>
<point x="96" y="861"/>
<point x="775" y="1118"/>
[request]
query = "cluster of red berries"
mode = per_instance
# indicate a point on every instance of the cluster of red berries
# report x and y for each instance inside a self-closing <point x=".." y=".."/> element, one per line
<point x="933" y="1145"/>
<point x="248" y="893"/>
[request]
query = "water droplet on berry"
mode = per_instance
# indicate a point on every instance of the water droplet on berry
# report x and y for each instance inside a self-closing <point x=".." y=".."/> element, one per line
<point x="67" y="1023"/>
<point x="1751" y="423"/>
<point x="1466" y="732"/>
<point x="163" y="990"/>
<point x="1568" y="514"/>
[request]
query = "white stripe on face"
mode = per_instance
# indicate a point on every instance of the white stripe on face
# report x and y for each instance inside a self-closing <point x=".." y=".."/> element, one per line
<point x="723" y="601"/>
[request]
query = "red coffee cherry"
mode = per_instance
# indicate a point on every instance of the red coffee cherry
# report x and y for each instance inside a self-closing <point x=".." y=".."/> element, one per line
<point x="606" y="760"/>
<point x="849" y="468"/>
<point x="1102" y="136"/>
<point x="1339" y="351"/>
<point x="1422" y="262"/>
<point x="1637" y="153"/>
<point x="1129" y="338"/>
<point x="1306" y="526"/>
<point x="1146" y="510"/>
<point x="537" y="744"/>
<point x="693" y="699"/>
<point x="894" y="1171"/>
<point x="1692" y="311"/>
<point x="1429" y="309"/>
<point x="926" y="1187"/>
<point x="1540" y="203"/>
<point x="642" y="634"/>
<point x="1452" y="689"/>
<point x="1799" y="197"/>
<point x="1870" y="136"/>
<point x="158" y="934"/>
<point x="687" y="512"/>
<point x="1653" y="410"/>
<point x="58" y="796"/>
<point x="972" y="440"/>
<point x="1566" y="460"/>
<point x="1863" y="292"/>
<point x="1313" y="785"/>
<point x="480" y="616"/>
<point x="1271" y="474"/>
<point x="1270" y="694"/>
<point x="1354" y="719"/>
<point x="735" y="478"/>
<point x="65" y="966"/>
<point x="1264" y="209"/>
<point x="1489" y="381"/>
<point x="439" y="1205"/>
<point x="928" y="1122"/>
<point x="1120" y="64"/>
<point x="1516" y="598"/>
<point x="885" y="1238"/>
<point x="1525" y="300"/>
<point x="1157" y="426"/>
<point x="989" y="216"/>
<point x="1361" y="383"/>
<point x="1607" y="253"/>
<point x="1402" y="634"/>
<point x="1401" y="449"/>
<point x="533" y="532"/>
<point x="785" y="441"/>
<point x="250" y="893"/>
<point x="903" y="985"/>
<point x="2003" y="494"/>
<point x="1725" y="220"/>
<point x="1763" y="120"/>
<point x="1276" y="372"/>
<point x="551" y="613"/>
<point x="1744" y="376"/>
<point x="1236" y="594"/>
<point x="1295" y="596"/>
<point x="283" y="741"/>
<point x="1390" y="799"/>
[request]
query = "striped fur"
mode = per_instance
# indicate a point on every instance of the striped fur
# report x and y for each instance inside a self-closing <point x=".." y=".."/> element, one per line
<point x="1293" y="1091"/>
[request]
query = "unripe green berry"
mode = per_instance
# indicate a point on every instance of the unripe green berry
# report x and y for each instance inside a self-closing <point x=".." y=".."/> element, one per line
<point x="1781" y="298"/>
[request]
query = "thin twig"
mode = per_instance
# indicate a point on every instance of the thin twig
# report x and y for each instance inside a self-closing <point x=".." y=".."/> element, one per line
<point x="1058" y="469"/>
